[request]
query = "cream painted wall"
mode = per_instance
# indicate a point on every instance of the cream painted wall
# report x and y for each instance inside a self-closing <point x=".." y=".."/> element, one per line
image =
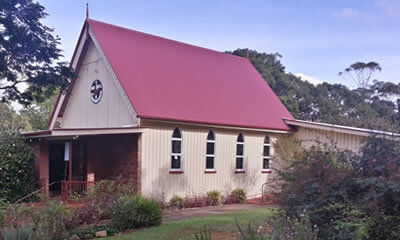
<point x="157" y="181"/>
<point x="111" y="111"/>
<point x="344" y="141"/>
<point x="156" y="161"/>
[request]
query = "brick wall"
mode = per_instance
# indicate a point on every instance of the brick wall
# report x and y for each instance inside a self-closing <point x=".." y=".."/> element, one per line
<point x="112" y="156"/>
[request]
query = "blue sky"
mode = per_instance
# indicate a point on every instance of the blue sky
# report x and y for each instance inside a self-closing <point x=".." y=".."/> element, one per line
<point x="317" y="38"/>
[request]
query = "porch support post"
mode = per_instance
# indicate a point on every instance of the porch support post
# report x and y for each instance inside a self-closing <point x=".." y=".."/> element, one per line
<point x="70" y="167"/>
<point x="139" y="163"/>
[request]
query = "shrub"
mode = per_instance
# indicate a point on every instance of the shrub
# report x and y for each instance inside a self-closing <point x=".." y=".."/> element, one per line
<point x="105" y="194"/>
<point x="282" y="227"/>
<point x="3" y="208"/>
<point x="134" y="212"/>
<point x="88" y="214"/>
<point x="17" y="216"/>
<point x="149" y="212"/>
<point x="176" y="202"/>
<point x="195" y="201"/>
<point x="214" y="197"/>
<point x="84" y="233"/>
<point x="252" y="233"/>
<point x="17" y="177"/>
<point x="237" y="196"/>
<point x="22" y="233"/>
<point x="52" y="221"/>
<point x="346" y="196"/>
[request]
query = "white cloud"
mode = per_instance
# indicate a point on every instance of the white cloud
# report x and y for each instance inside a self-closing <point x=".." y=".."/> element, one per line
<point x="347" y="13"/>
<point x="312" y="80"/>
<point x="390" y="7"/>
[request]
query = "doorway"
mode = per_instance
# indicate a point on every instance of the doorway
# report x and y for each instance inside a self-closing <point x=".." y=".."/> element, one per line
<point x="59" y="168"/>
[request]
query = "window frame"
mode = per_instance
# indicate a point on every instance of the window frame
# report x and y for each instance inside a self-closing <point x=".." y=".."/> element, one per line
<point x="264" y="157"/>
<point x="176" y="154"/>
<point x="240" y="156"/>
<point x="211" y="155"/>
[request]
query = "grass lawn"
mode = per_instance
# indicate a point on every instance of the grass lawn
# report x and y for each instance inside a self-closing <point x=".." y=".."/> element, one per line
<point x="222" y="226"/>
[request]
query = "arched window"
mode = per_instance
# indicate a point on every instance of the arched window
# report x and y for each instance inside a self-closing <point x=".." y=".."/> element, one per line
<point x="240" y="152"/>
<point x="210" y="152"/>
<point x="176" y="153"/>
<point x="266" y="153"/>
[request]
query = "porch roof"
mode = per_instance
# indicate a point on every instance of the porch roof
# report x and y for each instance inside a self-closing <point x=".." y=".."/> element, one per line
<point x="73" y="132"/>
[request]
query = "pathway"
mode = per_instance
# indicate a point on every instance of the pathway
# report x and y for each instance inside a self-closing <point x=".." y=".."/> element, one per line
<point x="173" y="215"/>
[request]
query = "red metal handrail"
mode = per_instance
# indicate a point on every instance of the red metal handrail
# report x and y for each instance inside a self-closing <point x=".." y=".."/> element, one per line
<point x="70" y="187"/>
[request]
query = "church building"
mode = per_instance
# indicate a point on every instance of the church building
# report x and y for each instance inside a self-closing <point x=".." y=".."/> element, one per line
<point x="172" y="117"/>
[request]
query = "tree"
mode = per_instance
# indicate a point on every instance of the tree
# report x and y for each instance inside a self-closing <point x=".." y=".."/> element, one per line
<point x="369" y="106"/>
<point x="29" y="54"/>
<point x="11" y="121"/>
<point x="17" y="176"/>
<point x="38" y="114"/>
<point x="361" y="73"/>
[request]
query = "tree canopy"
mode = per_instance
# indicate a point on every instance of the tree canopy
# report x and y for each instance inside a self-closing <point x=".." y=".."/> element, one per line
<point x="29" y="54"/>
<point x="372" y="105"/>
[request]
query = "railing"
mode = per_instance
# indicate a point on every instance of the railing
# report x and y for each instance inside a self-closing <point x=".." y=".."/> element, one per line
<point x="43" y="188"/>
<point x="69" y="188"/>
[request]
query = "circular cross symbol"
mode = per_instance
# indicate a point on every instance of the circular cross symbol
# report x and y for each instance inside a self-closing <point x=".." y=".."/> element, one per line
<point x="96" y="91"/>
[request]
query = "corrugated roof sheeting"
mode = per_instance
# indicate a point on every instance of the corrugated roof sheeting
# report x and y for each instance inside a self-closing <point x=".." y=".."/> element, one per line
<point x="166" y="79"/>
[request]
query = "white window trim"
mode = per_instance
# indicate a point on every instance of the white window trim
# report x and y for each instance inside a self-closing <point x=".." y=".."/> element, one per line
<point x="177" y="154"/>
<point x="211" y="155"/>
<point x="242" y="156"/>
<point x="267" y="157"/>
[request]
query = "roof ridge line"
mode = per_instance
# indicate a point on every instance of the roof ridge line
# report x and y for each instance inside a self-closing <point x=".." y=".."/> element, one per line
<point x="168" y="39"/>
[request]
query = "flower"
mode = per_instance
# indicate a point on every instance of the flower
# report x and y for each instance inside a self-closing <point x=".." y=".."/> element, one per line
<point x="374" y="160"/>
<point x="326" y="166"/>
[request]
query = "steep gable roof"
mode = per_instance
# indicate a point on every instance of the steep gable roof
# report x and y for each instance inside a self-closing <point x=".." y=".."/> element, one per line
<point x="169" y="80"/>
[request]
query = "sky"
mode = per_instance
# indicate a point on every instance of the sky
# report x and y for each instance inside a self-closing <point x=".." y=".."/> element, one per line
<point x="316" y="38"/>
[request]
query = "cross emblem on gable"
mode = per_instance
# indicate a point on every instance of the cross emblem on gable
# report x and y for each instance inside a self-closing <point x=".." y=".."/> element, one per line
<point x="96" y="91"/>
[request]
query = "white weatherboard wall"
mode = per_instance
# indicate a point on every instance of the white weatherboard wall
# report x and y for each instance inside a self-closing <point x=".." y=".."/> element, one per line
<point x="110" y="112"/>
<point x="343" y="141"/>
<point x="156" y="162"/>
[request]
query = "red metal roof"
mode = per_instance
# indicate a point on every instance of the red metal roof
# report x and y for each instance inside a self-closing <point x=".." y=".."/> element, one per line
<point x="170" y="80"/>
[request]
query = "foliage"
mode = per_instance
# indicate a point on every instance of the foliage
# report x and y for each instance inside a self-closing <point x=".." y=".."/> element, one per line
<point x="222" y="224"/>
<point x="214" y="197"/>
<point x="38" y="115"/>
<point x="106" y="193"/>
<point x="195" y="201"/>
<point x="239" y="194"/>
<point x="204" y="234"/>
<point x="29" y="53"/>
<point x="3" y="207"/>
<point x="88" y="214"/>
<point x="83" y="233"/>
<point x="11" y="121"/>
<point x="281" y="227"/>
<point x="22" y="233"/>
<point x="251" y="233"/>
<point x="52" y="221"/>
<point x="346" y="196"/>
<point x="372" y="106"/>
<point x="17" y="177"/>
<point x="135" y="212"/>
<point x="176" y="202"/>
<point x="363" y="72"/>
<point x="49" y="221"/>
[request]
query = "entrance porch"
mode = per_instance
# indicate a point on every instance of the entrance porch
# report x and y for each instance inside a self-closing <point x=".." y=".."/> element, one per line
<point x="72" y="160"/>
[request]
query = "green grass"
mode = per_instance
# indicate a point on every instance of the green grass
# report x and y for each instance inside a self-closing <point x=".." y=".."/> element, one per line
<point x="186" y="229"/>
